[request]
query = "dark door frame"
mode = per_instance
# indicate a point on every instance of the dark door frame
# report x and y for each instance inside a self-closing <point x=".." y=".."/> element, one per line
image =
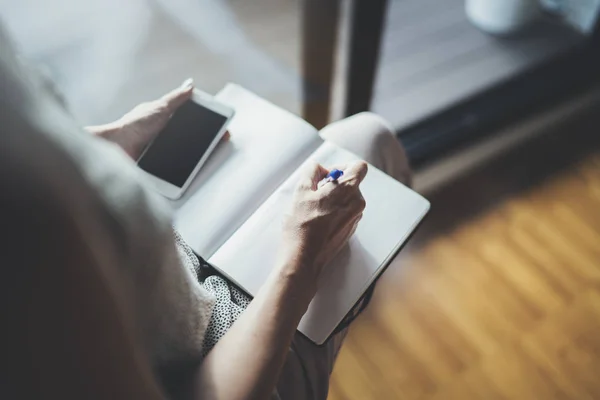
<point x="321" y="23"/>
<point x="560" y="77"/>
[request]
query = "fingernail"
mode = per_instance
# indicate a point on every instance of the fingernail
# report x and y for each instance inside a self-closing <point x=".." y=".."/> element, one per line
<point x="187" y="84"/>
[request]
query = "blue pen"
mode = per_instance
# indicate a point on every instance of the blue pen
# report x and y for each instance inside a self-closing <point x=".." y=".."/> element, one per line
<point x="332" y="176"/>
<point x="335" y="174"/>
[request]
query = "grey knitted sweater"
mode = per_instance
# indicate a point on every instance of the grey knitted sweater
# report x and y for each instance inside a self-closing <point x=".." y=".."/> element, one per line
<point x="99" y="186"/>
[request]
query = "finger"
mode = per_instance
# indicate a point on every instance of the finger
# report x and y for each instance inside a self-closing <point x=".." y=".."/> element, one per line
<point x="348" y="197"/>
<point x="226" y="136"/>
<point x="311" y="174"/>
<point x="176" y="97"/>
<point x="359" y="203"/>
<point x="356" y="221"/>
<point x="323" y="183"/>
<point x="355" y="173"/>
<point x="350" y="227"/>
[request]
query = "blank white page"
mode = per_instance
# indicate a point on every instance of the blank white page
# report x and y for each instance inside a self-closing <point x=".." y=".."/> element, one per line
<point x="393" y="211"/>
<point x="266" y="142"/>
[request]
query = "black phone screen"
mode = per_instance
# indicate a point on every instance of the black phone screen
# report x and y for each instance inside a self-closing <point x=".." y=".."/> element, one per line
<point x="175" y="152"/>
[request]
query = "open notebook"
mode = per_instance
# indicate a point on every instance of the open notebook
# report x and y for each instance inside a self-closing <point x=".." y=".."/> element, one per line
<point x="232" y="213"/>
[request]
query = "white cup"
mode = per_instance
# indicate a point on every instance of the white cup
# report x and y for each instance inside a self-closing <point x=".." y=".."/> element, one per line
<point x="502" y="17"/>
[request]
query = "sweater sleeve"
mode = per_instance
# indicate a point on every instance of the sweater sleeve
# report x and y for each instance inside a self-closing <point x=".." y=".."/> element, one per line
<point x="101" y="187"/>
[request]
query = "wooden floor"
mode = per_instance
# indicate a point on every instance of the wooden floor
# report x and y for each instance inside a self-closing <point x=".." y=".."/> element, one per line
<point x="500" y="296"/>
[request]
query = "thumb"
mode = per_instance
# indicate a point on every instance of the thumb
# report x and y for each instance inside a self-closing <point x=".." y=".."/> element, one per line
<point x="176" y="97"/>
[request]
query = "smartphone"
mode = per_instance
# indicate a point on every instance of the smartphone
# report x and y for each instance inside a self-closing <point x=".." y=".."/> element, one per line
<point x="178" y="152"/>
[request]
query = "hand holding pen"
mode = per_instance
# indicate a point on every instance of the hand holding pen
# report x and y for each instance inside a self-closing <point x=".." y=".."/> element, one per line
<point x="326" y="209"/>
<point x="332" y="176"/>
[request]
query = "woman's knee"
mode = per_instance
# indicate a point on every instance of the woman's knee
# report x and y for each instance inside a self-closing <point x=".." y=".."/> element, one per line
<point x="374" y="125"/>
<point x="365" y="127"/>
<point x="372" y="138"/>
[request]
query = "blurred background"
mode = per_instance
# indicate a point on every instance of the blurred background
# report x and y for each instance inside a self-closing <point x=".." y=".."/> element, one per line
<point x="497" y="101"/>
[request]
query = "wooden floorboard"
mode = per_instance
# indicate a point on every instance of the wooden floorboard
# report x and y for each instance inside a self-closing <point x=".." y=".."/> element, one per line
<point x="500" y="300"/>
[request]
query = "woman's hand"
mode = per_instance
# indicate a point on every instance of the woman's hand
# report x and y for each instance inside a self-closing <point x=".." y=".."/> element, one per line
<point x="136" y="129"/>
<point x="320" y="224"/>
<point x="322" y="219"/>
